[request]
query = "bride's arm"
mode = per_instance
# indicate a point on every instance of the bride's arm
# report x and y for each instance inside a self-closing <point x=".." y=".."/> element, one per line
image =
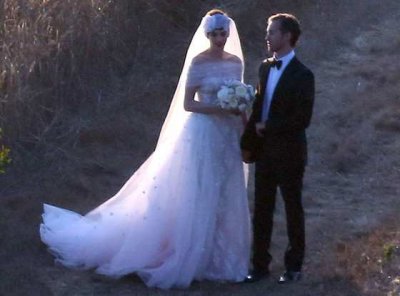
<point x="191" y="105"/>
<point x="195" y="73"/>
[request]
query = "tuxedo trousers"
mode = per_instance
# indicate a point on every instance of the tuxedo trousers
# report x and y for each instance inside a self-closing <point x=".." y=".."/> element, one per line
<point x="284" y="170"/>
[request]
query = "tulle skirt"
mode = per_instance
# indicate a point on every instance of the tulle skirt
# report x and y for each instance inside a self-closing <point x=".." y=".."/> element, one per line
<point x="182" y="216"/>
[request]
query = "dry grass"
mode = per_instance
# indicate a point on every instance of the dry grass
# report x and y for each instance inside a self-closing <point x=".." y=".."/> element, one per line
<point x="373" y="261"/>
<point x="364" y="81"/>
<point x="71" y="67"/>
<point x="57" y="60"/>
<point x="363" y="124"/>
<point x="85" y="85"/>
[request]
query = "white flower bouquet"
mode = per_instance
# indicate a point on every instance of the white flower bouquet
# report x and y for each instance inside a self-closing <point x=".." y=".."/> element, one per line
<point x="234" y="94"/>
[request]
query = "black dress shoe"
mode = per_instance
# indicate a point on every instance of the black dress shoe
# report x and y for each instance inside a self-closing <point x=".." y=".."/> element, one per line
<point x="256" y="276"/>
<point x="289" y="276"/>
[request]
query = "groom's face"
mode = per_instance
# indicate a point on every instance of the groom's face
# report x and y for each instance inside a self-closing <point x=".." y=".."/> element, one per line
<point x="274" y="38"/>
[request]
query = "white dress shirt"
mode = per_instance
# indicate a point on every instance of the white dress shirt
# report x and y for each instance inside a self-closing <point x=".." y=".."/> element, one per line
<point x="272" y="81"/>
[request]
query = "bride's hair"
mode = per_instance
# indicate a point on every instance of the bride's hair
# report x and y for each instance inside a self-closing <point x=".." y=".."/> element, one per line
<point x="215" y="11"/>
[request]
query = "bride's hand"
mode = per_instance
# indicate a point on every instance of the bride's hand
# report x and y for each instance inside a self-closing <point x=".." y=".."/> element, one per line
<point x="230" y="111"/>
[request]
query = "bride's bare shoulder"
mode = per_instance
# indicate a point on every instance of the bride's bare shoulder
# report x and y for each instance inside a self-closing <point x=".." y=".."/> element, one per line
<point x="231" y="57"/>
<point x="201" y="58"/>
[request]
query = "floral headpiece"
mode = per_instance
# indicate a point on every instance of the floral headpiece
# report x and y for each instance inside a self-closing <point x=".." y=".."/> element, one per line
<point x="216" y="21"/>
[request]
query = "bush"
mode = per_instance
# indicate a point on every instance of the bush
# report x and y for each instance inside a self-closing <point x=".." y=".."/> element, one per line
<point x="4" y="155"/>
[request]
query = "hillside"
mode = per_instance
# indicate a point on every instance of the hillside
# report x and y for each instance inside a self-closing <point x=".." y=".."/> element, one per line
<point x="76" y="138"/>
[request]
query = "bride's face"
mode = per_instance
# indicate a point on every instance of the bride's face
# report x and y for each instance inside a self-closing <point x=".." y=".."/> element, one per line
<point x="218" y="38"/>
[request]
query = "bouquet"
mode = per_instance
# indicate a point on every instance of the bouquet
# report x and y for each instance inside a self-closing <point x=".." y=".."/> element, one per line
<point x="234" y="94"/>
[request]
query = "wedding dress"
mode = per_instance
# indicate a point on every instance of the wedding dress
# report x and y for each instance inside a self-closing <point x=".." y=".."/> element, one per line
<point x="182" y="216"/>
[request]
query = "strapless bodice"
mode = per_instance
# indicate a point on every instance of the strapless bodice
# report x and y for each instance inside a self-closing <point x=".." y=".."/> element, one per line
<point x="209" y="76"/>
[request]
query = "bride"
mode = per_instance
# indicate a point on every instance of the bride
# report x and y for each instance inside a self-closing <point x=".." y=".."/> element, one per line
<point x="183" y="215"/>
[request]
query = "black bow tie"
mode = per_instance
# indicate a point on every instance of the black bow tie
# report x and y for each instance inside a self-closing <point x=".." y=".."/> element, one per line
<point x="276" y="63"/>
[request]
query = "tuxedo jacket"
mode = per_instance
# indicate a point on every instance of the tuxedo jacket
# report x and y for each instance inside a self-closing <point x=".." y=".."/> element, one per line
<point x="289" y="115"/>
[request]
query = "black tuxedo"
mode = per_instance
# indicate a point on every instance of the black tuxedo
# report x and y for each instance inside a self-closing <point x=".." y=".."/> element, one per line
<point x="280" y="157"/>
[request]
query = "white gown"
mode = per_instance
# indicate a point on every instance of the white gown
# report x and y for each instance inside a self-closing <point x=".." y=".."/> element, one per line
<point x="182" y="216"/>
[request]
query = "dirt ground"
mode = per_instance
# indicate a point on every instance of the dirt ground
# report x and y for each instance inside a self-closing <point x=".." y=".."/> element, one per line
<point x="351" y="188"/>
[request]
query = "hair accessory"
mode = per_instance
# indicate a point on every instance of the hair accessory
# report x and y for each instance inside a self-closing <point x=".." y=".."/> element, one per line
<point x="216" y="21"/>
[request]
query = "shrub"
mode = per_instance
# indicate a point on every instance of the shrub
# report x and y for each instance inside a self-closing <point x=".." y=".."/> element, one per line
<point x="4" y="155"/>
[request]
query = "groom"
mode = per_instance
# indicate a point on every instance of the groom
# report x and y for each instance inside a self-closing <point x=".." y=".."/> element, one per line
<point x="275" y="140"/>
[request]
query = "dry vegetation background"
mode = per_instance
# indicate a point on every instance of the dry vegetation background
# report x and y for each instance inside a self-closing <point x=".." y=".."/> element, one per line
<point x="84" y="88"/>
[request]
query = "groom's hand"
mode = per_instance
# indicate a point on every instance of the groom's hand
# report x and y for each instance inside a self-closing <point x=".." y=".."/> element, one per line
<point x="260" y="129"/>
<point x="236" y="112"/>
<point x="246" y="156"/>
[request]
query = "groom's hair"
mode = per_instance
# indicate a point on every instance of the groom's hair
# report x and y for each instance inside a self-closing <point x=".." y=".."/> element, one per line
<point x="289" y="24"/>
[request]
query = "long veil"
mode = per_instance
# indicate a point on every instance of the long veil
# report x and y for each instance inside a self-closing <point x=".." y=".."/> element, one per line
<point x="167" y="232"/>
<point x="177" y="116"/>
